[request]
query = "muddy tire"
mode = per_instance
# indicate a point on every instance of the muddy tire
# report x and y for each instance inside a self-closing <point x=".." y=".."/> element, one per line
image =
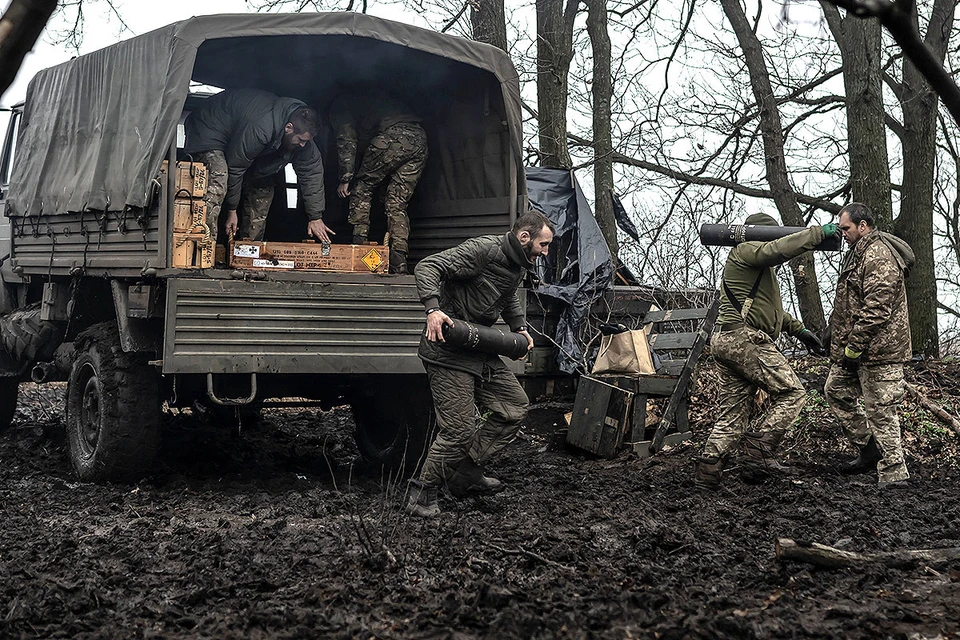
<point x="394" y="421"/>
<point x="27" y="338"/>
<point x="113" y="408"/>
<point x="9" y="392"/>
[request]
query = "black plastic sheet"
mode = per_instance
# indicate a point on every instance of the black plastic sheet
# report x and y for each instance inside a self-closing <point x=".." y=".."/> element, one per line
<point x="585" y="266"/>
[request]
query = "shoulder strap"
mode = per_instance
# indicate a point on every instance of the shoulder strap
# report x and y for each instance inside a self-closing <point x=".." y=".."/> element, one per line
<point x="733" y="299"/>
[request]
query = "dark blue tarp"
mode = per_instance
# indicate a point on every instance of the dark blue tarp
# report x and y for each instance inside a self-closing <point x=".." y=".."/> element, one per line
<point x="586" y="265"/>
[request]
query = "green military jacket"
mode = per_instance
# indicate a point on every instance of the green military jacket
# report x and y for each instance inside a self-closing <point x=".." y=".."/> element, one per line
<point x="870" y="307"/>
<point x="751" y="260"/>
<point x="247" y="125"/>
<point x="476" y="281"/>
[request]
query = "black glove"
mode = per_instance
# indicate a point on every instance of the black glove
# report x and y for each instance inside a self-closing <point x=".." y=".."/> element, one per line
<point x="851" y="360"/>
<point x="811" y="342"/>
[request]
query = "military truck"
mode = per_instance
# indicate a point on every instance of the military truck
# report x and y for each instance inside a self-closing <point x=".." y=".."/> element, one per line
<point x="90" y="294"/>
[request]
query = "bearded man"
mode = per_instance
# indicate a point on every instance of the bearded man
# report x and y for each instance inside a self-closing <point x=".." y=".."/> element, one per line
<point x="476" y="281"/>
<point x="245" y="137"/>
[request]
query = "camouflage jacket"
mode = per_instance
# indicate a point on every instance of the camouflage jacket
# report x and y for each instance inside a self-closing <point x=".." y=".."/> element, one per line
<point x="870" y="307"/>
<point x="359" y="116"/>
<point x="476" y="281"/>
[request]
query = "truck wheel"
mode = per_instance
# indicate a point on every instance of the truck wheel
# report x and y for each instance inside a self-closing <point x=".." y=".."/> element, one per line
<point x="113" y="408"/>
<point x="9" y="391"/>
<point x="394" y="421"/>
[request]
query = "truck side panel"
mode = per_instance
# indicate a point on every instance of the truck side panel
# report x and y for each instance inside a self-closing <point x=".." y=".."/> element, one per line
<point x="235" y="326"/>
<point x="59" y="243"/>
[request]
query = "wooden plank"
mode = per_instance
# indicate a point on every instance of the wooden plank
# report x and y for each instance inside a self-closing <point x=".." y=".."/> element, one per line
<point x="683" y="417"/>
<point x="656" y="385"/>
<point x="639" y="417"/>
<point x="684" y="379"/>
<point x="671" y="367"/>
<point x="673" y="315"/>
<point x="667" y="341"/>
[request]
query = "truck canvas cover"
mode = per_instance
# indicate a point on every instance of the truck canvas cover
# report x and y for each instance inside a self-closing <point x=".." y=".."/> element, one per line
<point x="96" y="129"/>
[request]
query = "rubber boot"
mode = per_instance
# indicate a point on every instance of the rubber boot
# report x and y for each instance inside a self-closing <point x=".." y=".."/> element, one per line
<point x="709" y="473"/>
<point x="398" y="262"/>
<point x="468" y="479"/>
<point x="760" y="461"/>
<point x="866" y="460"/>
<point x="422" y="500"/>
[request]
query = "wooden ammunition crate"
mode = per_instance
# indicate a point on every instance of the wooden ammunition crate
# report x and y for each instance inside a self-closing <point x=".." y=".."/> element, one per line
<point x="192" y="251"/>
<point x="191" y="178"/>
<point x="309" y="256"/>
<point x="189" y="215"/>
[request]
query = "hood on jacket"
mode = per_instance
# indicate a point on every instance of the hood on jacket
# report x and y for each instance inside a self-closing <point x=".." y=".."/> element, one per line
<point x="901" y="250"/>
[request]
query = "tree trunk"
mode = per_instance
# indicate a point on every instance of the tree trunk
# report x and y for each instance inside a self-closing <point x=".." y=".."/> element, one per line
<point x="21" y="25"/>
<point x="489" y="22"/>
<point x="554" y="53"/>
<point x="602" y="140"/>
<point x="860" y="48"/>
<point x="804" y="271"/>
<point x="915" y="222"/>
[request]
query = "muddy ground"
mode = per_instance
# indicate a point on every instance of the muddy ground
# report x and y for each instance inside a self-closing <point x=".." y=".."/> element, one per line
<point x="278" y="533"/>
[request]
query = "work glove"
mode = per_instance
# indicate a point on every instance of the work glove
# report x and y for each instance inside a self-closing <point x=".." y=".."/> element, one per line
<point x="830" y="229"/>
<point x="851" y="360"/>
<point x="811" y="342"/>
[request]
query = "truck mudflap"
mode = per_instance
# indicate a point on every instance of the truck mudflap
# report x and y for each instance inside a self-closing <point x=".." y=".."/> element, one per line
<point x="292" y="327"/>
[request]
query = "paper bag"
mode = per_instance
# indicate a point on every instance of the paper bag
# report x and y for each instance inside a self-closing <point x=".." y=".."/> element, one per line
<point x="624" y="353"/>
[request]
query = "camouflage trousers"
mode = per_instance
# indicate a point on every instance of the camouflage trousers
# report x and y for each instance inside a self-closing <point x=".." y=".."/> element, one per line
<point x="882" y="389"/>
<point x="398" y="156"/>
<point x="748" y="360"/>
<point x="257" y="196"/>
<point x="456" y="396"/>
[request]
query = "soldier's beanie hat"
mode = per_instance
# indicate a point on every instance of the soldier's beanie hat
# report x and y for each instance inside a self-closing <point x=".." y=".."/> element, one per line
<point x="762" y="219"/>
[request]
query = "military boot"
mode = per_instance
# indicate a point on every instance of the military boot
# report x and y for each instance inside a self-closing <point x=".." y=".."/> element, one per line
<point x="760" y="461"/>
<point x="709" y="473"/>
<point x="866" y="461"/>
<point x="422" y="500"/>
<point x="468" y="479"/>
<point x="398" y="262"/>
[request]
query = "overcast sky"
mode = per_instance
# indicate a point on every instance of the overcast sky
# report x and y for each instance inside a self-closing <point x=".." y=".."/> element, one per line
<point x="101" y="30"/>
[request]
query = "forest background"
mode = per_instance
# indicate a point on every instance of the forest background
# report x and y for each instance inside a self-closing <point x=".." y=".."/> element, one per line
<point x="699" y="111"/>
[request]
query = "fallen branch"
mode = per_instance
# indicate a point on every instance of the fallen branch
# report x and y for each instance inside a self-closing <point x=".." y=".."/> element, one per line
<point x="935" y="409"/>
<point x="821" y="555"/>
<point x="531" y="555"/>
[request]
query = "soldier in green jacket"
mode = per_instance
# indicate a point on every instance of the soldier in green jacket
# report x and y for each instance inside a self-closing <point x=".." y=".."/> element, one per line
<point x="245" y="136"/>
<point x="870" y="341"/>
<point x="751" y="318"/>
<point x="476" y="281"/>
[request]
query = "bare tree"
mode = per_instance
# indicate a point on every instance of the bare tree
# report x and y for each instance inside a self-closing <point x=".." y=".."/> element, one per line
<point x="602" y="142"/>
<point x="20" y="26"/>
<point x="804" y="269"/>
<point x="860" y="45"/>
<point x="555" y="20"/>
<point x="488" y="21"/>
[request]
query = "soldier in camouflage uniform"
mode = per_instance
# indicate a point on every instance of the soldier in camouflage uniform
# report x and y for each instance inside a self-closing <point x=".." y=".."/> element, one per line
<point x="751" y="318"/>
<point x="396" y="152"/>
<point x="869" y="342"/>
<point x="244" y="137"/>
<point x="475" y="281"/>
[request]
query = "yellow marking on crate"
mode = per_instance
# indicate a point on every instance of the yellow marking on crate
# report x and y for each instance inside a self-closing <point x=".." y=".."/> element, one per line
<point x="373" y="259"/>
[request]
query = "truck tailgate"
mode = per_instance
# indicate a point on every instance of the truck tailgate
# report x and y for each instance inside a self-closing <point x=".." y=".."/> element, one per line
<point x="276" y="326"/>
